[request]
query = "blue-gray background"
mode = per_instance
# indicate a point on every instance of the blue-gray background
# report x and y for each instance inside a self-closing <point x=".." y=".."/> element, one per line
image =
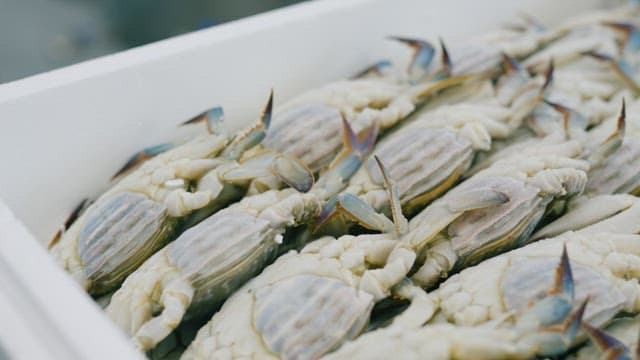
<point x="40" y="35"/>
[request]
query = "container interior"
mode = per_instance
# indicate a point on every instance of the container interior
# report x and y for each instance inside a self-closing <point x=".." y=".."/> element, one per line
<point x="65" y="133"/>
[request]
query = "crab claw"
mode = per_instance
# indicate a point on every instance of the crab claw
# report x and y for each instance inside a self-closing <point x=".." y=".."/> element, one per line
<point x="557" y="305"/>
<point x="374" y="70"/>
<point x="510" y="65"/>
<point x="214" y="119"/>
<point x="557" y="338"/>
<point x="362" y="213"/>
<point x="288" y="169"/>
<point x="631" y="41"/>
<point x="70" y="220"/>
<point x="399" y="220"/>
<point x="356" y="149"/>
<point x="548" y="76"/>
<point x="138" y="158"/>
<point x="621" y="67"/>
<point x="358" y="211"/>
<point x="445" y="71"/>
<point x="569" y="117"/>
<point x="613" y="142"/>
<point x="422" y="56"/>
<point x="564" y="276"/>
<point x="611" y="347"/>
<point x="252" y="136"/>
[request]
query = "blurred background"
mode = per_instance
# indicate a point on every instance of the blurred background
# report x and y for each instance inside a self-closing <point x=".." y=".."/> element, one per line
<point x="40" y="35"/>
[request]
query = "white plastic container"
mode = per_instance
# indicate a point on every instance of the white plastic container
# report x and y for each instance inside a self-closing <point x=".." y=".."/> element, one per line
<point x="64" y="133"/>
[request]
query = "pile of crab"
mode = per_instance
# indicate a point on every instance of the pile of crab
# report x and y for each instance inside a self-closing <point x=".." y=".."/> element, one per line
<point x="476" y="204"/>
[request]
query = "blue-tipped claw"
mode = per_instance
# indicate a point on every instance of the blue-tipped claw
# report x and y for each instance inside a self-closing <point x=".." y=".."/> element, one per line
<point x="557" y="305"/>
<point x="564" y="276"/>
<point x="569" y="116"/>
<point x="548" y="76"/>
<point x="377" y="69"/>
<point x="138" y="158"/>
<point x="328" y="212"/>
<point x="631" y="41"/>
<point x="622" y="67"/>
<point x="611" y="347"/>
<point x="362" y="213"/>
<point x="574" y="321"/>
<point x="355" y="150"/>
<point x="422" y="56"/>
<point x="510" y="65"/>
<point x="214" y="119"/>
<point x="445" y="71"/>
<point x="357" y="210"/>
<point x="614" y="141"/>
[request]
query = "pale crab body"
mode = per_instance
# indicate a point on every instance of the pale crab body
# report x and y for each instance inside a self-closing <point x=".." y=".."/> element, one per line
<point x="492" y="212"/>
<point x="604" y="267"/>
<point x="309" y="302"/>
<point x="138" y="215"/>
<point x="141" y="212"/>
<point x="547" y="325"/>
<point x="209" y="261"/>
<point x="307" y="127"/>
<point x="206" y="263"/>
<point x="425" y="161"/>
<point x="429" y="154"/>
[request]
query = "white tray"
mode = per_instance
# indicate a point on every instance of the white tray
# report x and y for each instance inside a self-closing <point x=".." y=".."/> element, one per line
<point x="64" y="133"/>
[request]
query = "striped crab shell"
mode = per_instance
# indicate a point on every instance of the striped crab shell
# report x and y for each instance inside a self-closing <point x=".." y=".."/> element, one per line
<point x="492" y="212"/>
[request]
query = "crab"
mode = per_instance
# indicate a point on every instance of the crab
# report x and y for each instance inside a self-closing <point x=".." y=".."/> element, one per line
<point x="493" y="211"/>
<point x="429" y="154"/>
<point x="604" y="267"/>
<point x="561" y="128"/>
<point x="326" y="292"/>
<point x="547" y="326"/>
<point x="307" y="126"/>
<point x="142" y="212"/>
<point x="619" y="173"/>
<point x="205" y="264"/>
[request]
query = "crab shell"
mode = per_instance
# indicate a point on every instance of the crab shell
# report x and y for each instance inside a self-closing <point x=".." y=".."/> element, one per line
<point x="507" y="283"/>
<point x="426" y="162"/>
<point x="118" y="235"/>
<point x="494" y="211"/>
